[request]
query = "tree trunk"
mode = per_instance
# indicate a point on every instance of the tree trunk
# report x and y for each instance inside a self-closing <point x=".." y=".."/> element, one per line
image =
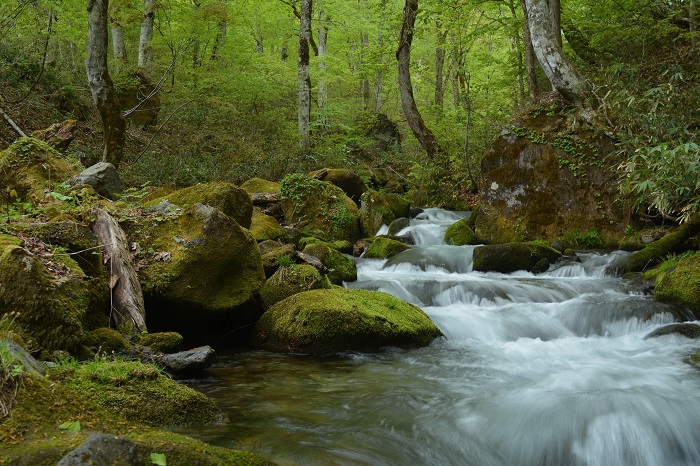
<point x="440" y="64"/>
<point x="219" y="42"/>
<point x="322" y="40"/>
<point x="378" y="87"/>
<point x="403" y="56"/>
<point x="101" y="87"/>
<point x="304" y="79"/>
<point x="530" y="59"/>
<point x="120" y="59"/>
<point x="545" y="41"/>
<point x="146" y="36"/>
<point x="126" y="296"/>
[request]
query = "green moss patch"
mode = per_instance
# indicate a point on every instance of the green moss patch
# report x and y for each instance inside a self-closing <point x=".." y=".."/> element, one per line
<point x="290" y="280"/>
<point x="383" y="248"/>
<point x="461" y="233"/>
<point x="343" y="268"/>
<point x="681" y="284"/>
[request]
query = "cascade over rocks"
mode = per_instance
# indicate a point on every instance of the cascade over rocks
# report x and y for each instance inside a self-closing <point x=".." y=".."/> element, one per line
<point x="543" y="177"/>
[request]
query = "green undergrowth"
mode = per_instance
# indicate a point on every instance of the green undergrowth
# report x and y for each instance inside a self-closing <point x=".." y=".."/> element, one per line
<point x="669" y="263"/>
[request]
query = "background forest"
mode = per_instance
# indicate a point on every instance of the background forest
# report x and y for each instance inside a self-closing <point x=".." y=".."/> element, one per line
<point x="224" y="74"/>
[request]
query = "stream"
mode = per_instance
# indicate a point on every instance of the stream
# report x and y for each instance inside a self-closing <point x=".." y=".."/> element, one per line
<point x="549" y="369"/>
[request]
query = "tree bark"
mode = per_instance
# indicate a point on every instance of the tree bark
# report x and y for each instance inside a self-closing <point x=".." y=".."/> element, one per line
<point x="146" y="36"/>
<point x="304" y="79"/>
<point x="322" y="41"/>
<point x="403" y="56"/>
<point x="378" y="87"/>
<point x="119" y="47"/>
<point x="545" y="41"/>
<point x="440" y="64"/>
<point x="101" y="87"/>
<point x="126" y="296"/>
<point x="533" y="86"/>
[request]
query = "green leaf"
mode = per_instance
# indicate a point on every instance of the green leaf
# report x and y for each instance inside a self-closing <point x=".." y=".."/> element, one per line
<point x="71" y="426"/>
<point x="159" y="459"/>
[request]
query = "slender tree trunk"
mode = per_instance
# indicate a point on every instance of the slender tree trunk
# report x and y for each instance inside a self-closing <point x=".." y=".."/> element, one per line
<point x="304" y="79"/>
<point x="365" y="85"/>
<point x="284" y="54"/>
<point x="119" y="47"/>
<point x="378" y="87"/>
<point x="545" y="40"/>
<point x="101" y="87"/>
<point x="322" y="41"/>
<point x="403" y="56"/>
<point x="258" y="38"/>
<point x="146" y="36"/>
<point x="219" y="42"/>
<point x="530" y="58"/>
<point x="440" y="64"/>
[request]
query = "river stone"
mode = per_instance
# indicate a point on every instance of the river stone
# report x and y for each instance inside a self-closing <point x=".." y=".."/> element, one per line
<point x="460" y="233"/>
<point x="375" y="212"/>
<point x="103" y="177"/>
<point x="510" y="257"/>
<point x="290" y="280"/>
<point x="347" y="180"/>
<point x="383" y="248"/>
<point x="342" y="268"/>
<point x="681" y="284"/>
<point x="190" y="361"/>
<point x="686" y="329"/>
<point x="398" y="225"/>
<point x="541" y="180"/>
<point x="103" y="449"/>
<point x="208" y="266"/>
<point x="339" y="319"/>
<point x="264" y="227"/>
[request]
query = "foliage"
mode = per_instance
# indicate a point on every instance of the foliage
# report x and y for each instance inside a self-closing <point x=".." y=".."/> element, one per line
<point x="589" y="239"/>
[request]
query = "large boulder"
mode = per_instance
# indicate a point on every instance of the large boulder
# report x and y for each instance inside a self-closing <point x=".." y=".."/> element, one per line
<point x="460" y="233"/>
<point x="347" y="180"/>
<point x="59" y="135"/>
<point x="132" y="88"/>
<point x="103" y="177"/>
<point x="342" y="268"/>
<point x="204" y="264"/>
<point x="383" y="248"/>
<point x="103" y="449"/>
<point x="226" y="197"/>
<point x="290" y="280"/>
<point x="318" y="208"/>
<point x="681" y="284"/>
<point x="52" y="299"/>
<point x="376" y="211"/>
<point x="335" y="320"/>
<point x="264" y="227"/>
<point x="260" y="186"/>
<point x="544" y="177"/>
<point x="510" y="257"/>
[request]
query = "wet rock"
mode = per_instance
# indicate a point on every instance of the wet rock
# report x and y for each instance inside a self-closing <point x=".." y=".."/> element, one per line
<point x="685" y="329"/>
<point x="383" y="248"/>
<point x="103" y="449"/>
<point x="335" y="320"/>
<point x="190" y="361"/>
<point x="290" y="280"/>
<point x="510" y="257"/>
<point x="375" y="212"/>
<point x="398" y="225"/>
<point x="103" y="177"/>
<point x="460" y="234"/>
<point x="342" y="268"/>
<point x="681" y="284"/>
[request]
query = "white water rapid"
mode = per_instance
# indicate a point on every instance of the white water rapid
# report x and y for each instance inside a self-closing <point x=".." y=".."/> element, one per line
<point x="549" y="369"/>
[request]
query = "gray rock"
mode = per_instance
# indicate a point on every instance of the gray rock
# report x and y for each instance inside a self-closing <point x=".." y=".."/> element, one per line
<point x="23" y="357"/>
<point x="685" y="329"/>
<point x="103" y="449"/>
<point x="186" y="362"/>
<point x="103" y="177"/>
<point x="398" y="225"/>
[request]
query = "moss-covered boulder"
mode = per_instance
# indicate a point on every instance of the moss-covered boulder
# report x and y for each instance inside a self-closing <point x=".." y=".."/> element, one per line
<point x="319" y="208"/>
<point x="543" y="177"/>
<point x="688" y="330"/>
<point x="29" y="167"/>
<point x="399" y="204"/>
<point x="397" y="225"/>
<point x="376" y="211"/>
<point x="258" y="185"/>
<point x="347" y="180"/>
<point x="32" y="435"/>
<point x="264" y="227"/>
<point x="161" y="342"/>
<point x="383" y="248"/>
<point x="106" y="340"/>
<point x="460" y="233"/>
<point x="506" y="258"/>
<point x="205" y="265"/>
<point x="681" y="284"/>
<point x="342" y="268"/>
<point x="331" y="321"/>
<point x="290" y="280"/>
<point x="271" y="260"/>
<point x="51" y="297"/>
<point x="226" y="197"/>
<point x="343" y="246"/>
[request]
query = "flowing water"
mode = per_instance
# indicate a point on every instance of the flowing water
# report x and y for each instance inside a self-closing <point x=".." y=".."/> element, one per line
<point x="549" y="369"/>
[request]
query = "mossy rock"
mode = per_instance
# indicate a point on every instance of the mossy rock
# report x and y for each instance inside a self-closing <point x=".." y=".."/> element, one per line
<point x="290" y="280"/>
<point x="213" y="265"/>
<point x="343" y="246"/>
<point x="32" y="437"/>
<point x="51" y="296"/>
<point x="399" y="204"/>
<point x="226" y="197"/>
<point x="688" y="330"/>
<point x="316" y="206"/>
<point x="347" y="180"/>
<point x="161" y="342"/>
<point x="106" y="340"/>
<point x="383" y="248"/>
<point x="272" y="260"/>
<point x="139" y="393"/>
<point x="510" y="257"/>
<point x="681" y="284"/>
<point x="29" y="167"/>
<point x="336" y="320"/>
<point x="460" y="234"/>
<point x="343" y="268"/>
<point x="264" y="227"/>
<point x="398" y="225"/>
<point x="258" y="185"/>
<point x="376" y="211"/>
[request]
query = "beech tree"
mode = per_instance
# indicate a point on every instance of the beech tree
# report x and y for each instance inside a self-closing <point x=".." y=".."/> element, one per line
<point x="101" y="86"/>
<point x="304" y="78"/>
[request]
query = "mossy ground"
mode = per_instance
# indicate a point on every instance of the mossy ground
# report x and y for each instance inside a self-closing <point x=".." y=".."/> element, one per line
<point x="330" y="321"/>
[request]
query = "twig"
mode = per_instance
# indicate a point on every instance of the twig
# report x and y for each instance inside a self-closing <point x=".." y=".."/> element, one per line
<point x="12" y="123"/>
